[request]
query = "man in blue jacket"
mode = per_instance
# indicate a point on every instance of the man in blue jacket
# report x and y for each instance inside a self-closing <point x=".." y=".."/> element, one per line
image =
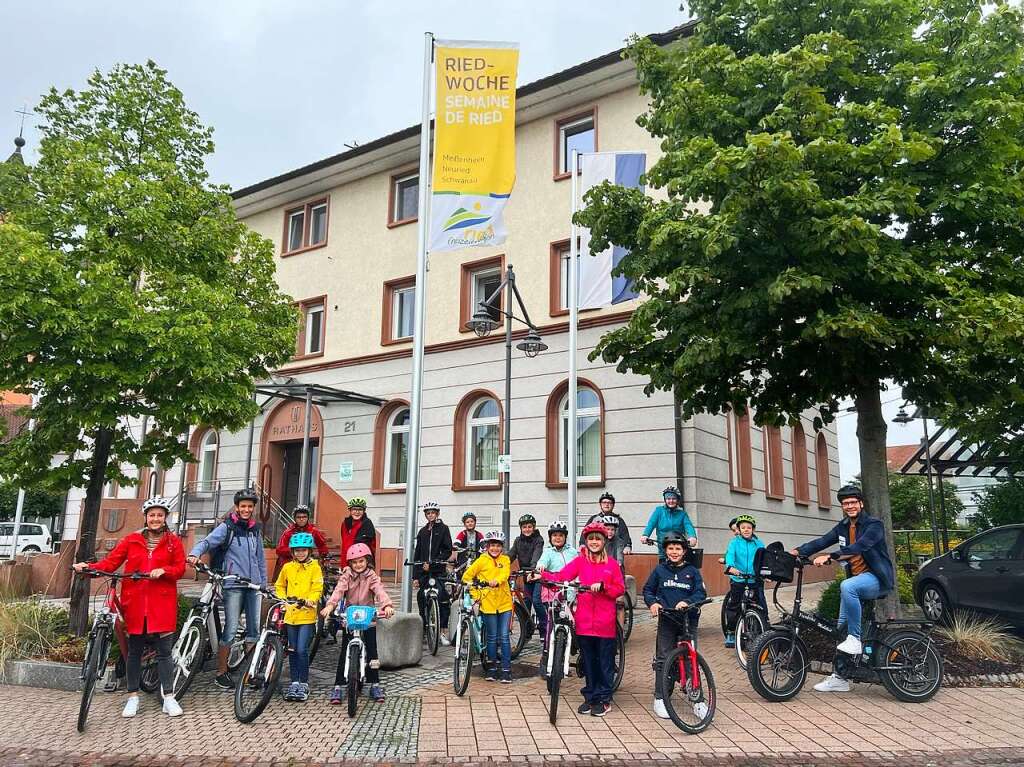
<point x="870" y="574"/>
<point x="238" y="541"/>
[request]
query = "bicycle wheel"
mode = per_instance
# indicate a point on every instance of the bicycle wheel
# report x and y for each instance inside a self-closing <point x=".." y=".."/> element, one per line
<point x="777" y="666"/>
<point x="555" y="677"/>
<point x="257" y="685"/>
<point x="433" y="627"/>
<point x="188" y="657"/>
<point x="353" y="678"/>
<point x="95" y="666"/>
<point x="748" y="628"/>
<point x="625" y="616"/>
<point x="689" y="699"/>
<point x="919" y="673"/>
<point x="149" y="677"/>
<point x="519" y="628"/>
<point x="619" y="664"/>
<point x="463" y="667"/>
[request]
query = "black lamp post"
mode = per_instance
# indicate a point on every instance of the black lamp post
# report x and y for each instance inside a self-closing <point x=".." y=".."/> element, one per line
<point x="902" y="417"/>
<point x="484" y="321"/>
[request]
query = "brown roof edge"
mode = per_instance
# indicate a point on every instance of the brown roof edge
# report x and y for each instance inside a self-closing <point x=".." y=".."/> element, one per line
<point x="658" y="38"/>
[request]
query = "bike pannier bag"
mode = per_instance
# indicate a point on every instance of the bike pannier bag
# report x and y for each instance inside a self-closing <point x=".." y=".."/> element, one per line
<point x="774" y="563"/>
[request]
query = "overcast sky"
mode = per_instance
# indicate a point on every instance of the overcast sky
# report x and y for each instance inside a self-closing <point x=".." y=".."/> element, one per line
<point x="288" y="83"/>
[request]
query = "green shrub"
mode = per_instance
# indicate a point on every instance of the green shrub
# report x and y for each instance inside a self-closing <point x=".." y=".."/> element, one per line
<point x="828" y="602"/>
<point x="30" y="628"/>
<point x="905" y="581"/>
<point x="978" y="638"/>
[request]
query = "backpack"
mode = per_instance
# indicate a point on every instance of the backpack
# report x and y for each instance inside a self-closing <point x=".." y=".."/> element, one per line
<point x="217" y="555"/>
<point x="775" y="563"/>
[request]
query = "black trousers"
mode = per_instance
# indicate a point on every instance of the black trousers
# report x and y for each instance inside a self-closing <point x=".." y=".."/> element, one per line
<point x="137" y="644"/>
<point x="443" y="598"/>
<point x="665" y="642"/>
<point x="370" y="641"/>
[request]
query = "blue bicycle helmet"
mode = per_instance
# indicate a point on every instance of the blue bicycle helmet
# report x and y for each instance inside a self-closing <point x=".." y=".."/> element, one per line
<point x="301" y="541"/>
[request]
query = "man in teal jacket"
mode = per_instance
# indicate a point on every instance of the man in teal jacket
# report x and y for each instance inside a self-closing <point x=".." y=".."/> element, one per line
<point x="670" y="517"/>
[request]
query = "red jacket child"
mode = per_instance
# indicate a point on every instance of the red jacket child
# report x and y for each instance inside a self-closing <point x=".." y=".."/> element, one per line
<point x="149" y="606"/>
<point x="284" y="552"/>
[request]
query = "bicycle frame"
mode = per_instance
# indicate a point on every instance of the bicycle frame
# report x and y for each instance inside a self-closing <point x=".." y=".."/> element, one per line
<point x="273" y="625"/>
<point x="561" y="619"/>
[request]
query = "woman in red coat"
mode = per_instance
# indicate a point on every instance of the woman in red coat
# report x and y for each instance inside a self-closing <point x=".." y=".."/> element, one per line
<point x="149" y="607"/>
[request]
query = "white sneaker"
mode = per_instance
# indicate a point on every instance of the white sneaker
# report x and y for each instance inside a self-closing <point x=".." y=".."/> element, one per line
<point x="833" y="683"/>
<point x="851" y="646"/>
<point x="445" y="641"/>
<point x="131" y="708"/>
<point x="659" y="709"/>
<point x="171" y="706"/>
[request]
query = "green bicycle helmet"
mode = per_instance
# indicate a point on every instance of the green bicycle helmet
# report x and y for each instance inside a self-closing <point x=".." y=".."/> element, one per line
<point x="357" y="503"/>
<point x="527" y="519"/>
<point x="746" y="518"/>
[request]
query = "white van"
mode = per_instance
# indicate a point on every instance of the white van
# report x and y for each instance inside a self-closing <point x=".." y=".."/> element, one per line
<point x="33" y="538"/>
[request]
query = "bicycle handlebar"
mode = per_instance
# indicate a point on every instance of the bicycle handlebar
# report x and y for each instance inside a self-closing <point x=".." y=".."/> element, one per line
<point x="689" y="607"/>
<point x="93" y="573"/>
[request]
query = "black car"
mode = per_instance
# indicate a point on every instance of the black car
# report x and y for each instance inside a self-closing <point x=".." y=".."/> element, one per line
<point x="984" y="574"/>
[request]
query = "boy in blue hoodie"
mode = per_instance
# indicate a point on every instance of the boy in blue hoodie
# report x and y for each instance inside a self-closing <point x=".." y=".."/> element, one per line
<point x="739" y="560"/>
<point x="675" y="583"/>
<point x="668" y="518"/>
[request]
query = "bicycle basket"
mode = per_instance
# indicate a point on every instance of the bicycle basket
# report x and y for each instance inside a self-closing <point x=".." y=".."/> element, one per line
<point x="775" y="563"/>
<point x="359" y="617"/>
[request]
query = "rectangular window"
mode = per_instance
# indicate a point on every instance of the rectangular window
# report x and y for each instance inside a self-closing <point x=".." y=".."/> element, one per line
<point x="398" y="313"/>
<point x="484" y="285"/>
<point x="774" y="477"/>
<point x="741" y="473"/>
<point x="480" y="279"/>
<point x="405" y="198"/>
<point x="312" y="327"/>
<point x="305" y="226"/>
<point x="579" y="133"/>
<point x="563" y="278"/>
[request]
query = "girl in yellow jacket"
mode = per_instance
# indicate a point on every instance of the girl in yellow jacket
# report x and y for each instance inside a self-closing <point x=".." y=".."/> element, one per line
<point x="493" y="568"/>
<point x="303" y="579"/>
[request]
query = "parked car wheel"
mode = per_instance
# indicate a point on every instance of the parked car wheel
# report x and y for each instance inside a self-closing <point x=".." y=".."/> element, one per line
<point x="935" y="603"/>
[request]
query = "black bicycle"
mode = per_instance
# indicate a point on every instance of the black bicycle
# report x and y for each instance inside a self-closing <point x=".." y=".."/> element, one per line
<point x="432" y="605"/>
<point x="751" y="618"/>
<point x="898" y="653"/>
<point x="523" y="623"/>
<point x="326" y="628"/>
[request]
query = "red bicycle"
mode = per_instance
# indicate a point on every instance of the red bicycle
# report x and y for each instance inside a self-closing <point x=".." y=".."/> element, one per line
<point x="687" y="685"/>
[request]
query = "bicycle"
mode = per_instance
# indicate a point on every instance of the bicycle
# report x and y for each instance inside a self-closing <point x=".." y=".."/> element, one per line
<point x="624" y="610"/>
<point x="687" y="684"/>
<point x="523" y="624"/>
<point x="902" y="658"/>
<point x="97" y="648"/>
<point x="432" y="607"/>
<point x="356" y="620"/>
<point x="561" y="639"/>
<point x="469" y="636"/>
<point x="751" y="618"/>
<point x="326" y="628"/>
<point x="265" y="660"/>
<point x="201" y="632"/>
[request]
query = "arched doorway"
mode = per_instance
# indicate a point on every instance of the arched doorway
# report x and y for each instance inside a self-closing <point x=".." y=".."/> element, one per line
<point x="281" y="453"/>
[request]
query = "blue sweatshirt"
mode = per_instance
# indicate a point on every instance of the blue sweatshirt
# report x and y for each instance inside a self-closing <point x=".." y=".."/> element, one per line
<point x="665" y="521"/>
<point x="669" y="584"/>
<point x="740" y="555"/>
<point x="244" y="555"/>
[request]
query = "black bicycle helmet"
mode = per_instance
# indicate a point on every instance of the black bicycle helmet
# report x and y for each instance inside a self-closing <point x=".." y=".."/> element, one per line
<point x="527" y="519"/>
<point x="607" y="497"/>
<point x="558" y="526"/>
<point x="674" y="537"/>
<point x="849" y="491"/>
<point x="301" y="509"/>
<point x="468" y="515"/>
<point x="247" y="494"/>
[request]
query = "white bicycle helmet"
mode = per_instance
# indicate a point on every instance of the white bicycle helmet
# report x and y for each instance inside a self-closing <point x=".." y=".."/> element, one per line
<point x="430" y="506"/>
<point x="494" y="536"/>
<point x="156" y="502"/>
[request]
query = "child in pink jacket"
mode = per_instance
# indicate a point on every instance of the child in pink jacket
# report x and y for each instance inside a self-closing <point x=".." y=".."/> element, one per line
<point x="601" y="583"/>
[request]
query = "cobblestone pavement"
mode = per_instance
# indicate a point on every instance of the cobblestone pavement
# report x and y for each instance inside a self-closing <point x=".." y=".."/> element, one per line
<point x="423" y="720"/>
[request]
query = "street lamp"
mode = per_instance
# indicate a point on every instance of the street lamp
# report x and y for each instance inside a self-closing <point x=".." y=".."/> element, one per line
<point x="902" y="417"/>
<point x="483" y="323"/>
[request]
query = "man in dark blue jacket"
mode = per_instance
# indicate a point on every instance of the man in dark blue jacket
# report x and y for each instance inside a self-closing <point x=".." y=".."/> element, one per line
<point x="674" y="584"/>
<point x="870" y="574"/>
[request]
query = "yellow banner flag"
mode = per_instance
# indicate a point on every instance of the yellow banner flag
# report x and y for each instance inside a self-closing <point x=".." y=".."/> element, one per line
<point x="474" y="143"/>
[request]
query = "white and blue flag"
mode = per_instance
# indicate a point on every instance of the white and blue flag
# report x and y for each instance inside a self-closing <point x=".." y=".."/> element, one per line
<point x="597" y="286"/>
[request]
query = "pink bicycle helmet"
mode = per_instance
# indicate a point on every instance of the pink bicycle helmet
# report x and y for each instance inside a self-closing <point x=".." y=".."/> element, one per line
<point x="357" y="550"/>
<point x="596" y="527"/>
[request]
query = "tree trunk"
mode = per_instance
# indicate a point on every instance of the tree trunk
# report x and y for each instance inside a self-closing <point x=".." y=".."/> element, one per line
<point x="79" y="612"/>
<point x="871" y="431"/>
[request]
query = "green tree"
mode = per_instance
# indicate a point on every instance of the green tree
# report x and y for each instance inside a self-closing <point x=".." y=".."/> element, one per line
<point x="840" y="205"/>
<point x="128" y="288"/>
<point x="908" y="494"/>
<point x="39" y="504"/>
<point x="1000" y="504"/>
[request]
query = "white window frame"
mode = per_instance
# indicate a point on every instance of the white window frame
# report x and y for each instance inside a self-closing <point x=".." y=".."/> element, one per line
<point x="208" y="457"/>
<point x="396" y="215"/>
<point x="475" y="423"/>
<point x="563" y="434"/>
<point x="396" y="312"/>
<point x="564" y="257"/>
<point x="475" y="280"/>
<point x="312" y="216"/>
<point x="392" y="431"/>
<point x="311" y="311"/>
<point x="301" y="213"/>
<point x="563" y="136"/>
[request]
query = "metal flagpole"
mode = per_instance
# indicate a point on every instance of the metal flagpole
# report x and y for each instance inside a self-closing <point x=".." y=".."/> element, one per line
<point x="572" y="438"/>
<point x="415" y="398"/>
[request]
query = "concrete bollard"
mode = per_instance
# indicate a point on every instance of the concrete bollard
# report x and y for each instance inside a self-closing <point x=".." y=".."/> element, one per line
<point x="400" y="640"/>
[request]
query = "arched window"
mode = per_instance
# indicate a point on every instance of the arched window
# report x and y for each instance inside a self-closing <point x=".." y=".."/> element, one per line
<point x="801" y="484"/>
<point x="741" y="471"/>
<point x="821" y="471"/>
<point x="477" y="442"/>
<point x="396" y="455"/>
<point x="590" y="440"/>
<point x="207" y="475"/>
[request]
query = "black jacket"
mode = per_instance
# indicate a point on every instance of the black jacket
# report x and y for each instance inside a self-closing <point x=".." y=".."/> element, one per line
<point x="527" y="550"/>
<point x="433" y="543"/>
<point x="619" y="542"/>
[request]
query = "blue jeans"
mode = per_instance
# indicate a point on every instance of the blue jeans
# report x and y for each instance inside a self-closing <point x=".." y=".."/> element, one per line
<point x="851" y="592"/>
<point x="533" y="595"/>
<point x="299" y="638"/>
<point x="234" y="601"/>
<point x="496" y="626"/>
<point x="598" y="668"/>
